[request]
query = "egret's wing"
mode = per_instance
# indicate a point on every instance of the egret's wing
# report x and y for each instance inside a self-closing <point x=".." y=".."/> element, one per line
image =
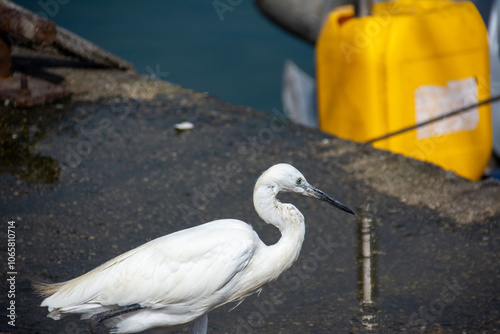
<point x="177" y="268"/>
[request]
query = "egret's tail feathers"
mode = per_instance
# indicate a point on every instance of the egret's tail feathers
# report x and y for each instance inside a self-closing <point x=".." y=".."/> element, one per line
<point x="46" y="289"/>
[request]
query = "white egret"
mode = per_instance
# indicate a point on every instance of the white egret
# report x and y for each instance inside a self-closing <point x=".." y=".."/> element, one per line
<point x="178" y="278"/>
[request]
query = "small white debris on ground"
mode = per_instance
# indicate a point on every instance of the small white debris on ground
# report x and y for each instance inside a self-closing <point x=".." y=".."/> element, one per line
<point x="184" y="126"/>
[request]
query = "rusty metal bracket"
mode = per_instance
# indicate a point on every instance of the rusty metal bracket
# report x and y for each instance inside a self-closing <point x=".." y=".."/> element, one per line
<point x="24" y="91"/>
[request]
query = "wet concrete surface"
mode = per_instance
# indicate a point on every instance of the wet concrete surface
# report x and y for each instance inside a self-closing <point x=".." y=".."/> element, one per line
<point x="89" y="178"/>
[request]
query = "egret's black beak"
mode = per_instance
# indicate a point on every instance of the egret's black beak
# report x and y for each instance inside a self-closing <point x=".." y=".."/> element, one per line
<point x="316" y="193"/>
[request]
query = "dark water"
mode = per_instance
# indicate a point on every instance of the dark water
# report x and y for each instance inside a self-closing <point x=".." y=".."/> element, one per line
<point x="237" y="56"/>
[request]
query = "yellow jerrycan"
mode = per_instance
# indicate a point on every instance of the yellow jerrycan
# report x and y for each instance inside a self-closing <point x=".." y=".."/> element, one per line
<point x="411" y="61"/>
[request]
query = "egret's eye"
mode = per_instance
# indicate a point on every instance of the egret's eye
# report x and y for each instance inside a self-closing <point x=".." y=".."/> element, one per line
<point x="299" y="181"/>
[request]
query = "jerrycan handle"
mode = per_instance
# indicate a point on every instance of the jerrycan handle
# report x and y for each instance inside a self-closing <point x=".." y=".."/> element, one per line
<point x="363" y="8"/>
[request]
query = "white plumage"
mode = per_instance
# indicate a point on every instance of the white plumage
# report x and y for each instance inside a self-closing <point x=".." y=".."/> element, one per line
<point x="178" y="278"/>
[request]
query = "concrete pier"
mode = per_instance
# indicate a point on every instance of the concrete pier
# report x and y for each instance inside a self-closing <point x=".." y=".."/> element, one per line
<point x="90" y="177"/>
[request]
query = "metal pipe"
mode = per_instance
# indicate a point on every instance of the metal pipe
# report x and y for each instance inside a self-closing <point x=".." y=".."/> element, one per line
<point x="363" y="8"/>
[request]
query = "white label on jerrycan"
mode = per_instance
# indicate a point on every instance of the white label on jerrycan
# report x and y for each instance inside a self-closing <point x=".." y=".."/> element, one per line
<point x="432" y="101"/>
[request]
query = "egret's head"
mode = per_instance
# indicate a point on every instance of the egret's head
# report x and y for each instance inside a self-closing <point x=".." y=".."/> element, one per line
<point x="285" y="177"/>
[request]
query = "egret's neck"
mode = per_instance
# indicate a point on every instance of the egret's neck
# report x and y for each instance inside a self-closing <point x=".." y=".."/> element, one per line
<point x="287" y="218"/>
